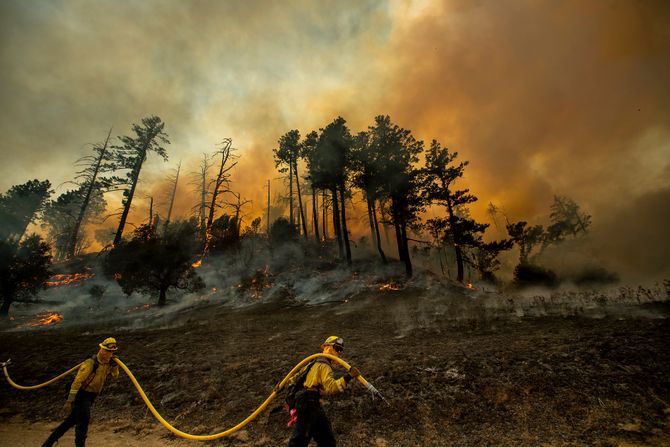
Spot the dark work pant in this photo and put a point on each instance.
(312, 423)
(78, 418)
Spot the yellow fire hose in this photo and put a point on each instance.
(222, 434)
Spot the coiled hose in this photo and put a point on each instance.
(280, 386)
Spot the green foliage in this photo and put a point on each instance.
(566, 220)
(289, 150)
(528, 275)
(224, 233)
(150, 263)
(60, 217)
(281, 231)
(526, 238)
(485, 258)
(21, 205)
(131, 155)
(24, 269)
(329, 157)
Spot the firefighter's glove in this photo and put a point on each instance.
(352, 374)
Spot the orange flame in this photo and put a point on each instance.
(196, 264)
(388, 286)
(470, 286)
(69, 279)
(45, 319)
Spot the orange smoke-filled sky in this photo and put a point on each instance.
(542, 97)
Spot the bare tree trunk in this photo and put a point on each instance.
(87, 198)
(456, 237)
(4, 307)
(379, 242)
(398, 232)
(204, 167)
(290, 194)
(174, 193)
(162, 297)
(267, 225)
(315, 215)
(336, 221)
(324, 204)
(151, 215)
(345, 232)
(373, 236)
(408, 259)
(129, 197)
(220, 180)
(302, 215)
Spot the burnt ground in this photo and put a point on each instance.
(598, 379)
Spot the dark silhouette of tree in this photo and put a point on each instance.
(526, 238)
(485, 258)
(222, 181)
(153, 264)
(201, 182)
(440, 174)
(365, 176)
(224, 233)
(63, 215)
(91, 185)
(307, 152)
(398, 153)
(286, 158)
(24, 269)
(174, 182)
(21, 205)
(329, 170)
(281, 231)
(567, 220)
(132, 154)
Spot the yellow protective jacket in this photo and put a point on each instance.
(320, 378)
(94, 383)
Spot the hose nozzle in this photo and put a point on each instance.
(375, 392)
(3, 364)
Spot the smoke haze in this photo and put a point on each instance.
(542, 97)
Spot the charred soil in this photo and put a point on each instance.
(504, 380)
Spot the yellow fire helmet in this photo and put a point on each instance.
(109, 344)
(336, 342)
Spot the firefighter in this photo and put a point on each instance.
(86, 386)
(312, 421)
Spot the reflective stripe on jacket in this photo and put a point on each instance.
(320, 377)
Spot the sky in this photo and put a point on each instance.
(541, 97)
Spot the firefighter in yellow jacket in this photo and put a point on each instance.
(86, 386)
(312, 421)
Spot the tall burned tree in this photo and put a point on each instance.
(286, 158)
(132, 154)
(172, 196)
(91, 184)
(329, 170)
(307, 150)
(222, 181)
(398, 152)
(365, 176)
(20, 206)
(200, 181)
(440, 174)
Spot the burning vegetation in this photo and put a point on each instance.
(71, 279)
(43, 319)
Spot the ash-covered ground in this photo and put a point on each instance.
(458, 366)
